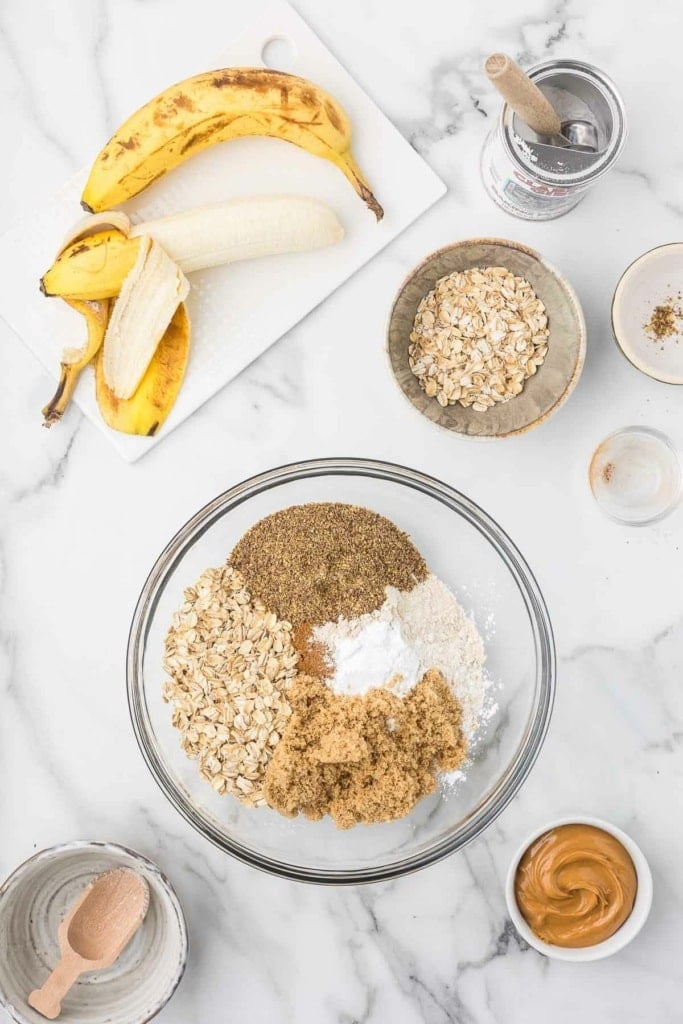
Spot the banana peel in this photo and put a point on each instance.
(145, 412)
(96, 313)
(92, 223)
(98, 261)
(148, 299)
(93, 267)
(214, 107)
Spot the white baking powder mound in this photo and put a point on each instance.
(369, 652)
(394, 646)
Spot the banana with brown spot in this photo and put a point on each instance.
(217, 106)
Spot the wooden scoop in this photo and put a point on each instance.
(93, 934)
(525, 98)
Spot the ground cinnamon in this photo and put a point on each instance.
(313, 656)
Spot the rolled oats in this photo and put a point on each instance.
(230, 663)
(478, 335)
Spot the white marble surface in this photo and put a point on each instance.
(80, 528)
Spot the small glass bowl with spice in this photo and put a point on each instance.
(635, 476)
(647, 313)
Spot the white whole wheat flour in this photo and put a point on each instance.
(412, 632)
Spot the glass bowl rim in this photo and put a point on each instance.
(537, 726)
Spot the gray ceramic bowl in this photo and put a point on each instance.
(543, 393)
(33, 902)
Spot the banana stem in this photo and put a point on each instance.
(353, 173)
(54, 410)
(96, 315)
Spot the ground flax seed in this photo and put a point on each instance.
(313, 563)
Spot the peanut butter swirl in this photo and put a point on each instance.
(575, 886)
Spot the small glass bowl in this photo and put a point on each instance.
(635, 476)
(474, 557)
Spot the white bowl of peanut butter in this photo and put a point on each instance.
(578, 889)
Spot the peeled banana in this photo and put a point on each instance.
(154, 397)
(96, 313)
(244, 229)
(94, 266)
(214, 107)
(149, 297)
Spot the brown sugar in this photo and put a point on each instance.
(363, 759)
(314, 563)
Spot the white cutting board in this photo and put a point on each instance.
(236, 311)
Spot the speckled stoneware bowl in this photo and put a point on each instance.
(647, 283)
(546, 390)
(33, 902)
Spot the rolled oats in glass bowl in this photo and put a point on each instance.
(466, 549)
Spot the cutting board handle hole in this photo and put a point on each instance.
(279, 52)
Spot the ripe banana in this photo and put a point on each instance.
(96, 315)
(152, 401)
(149, 298)
(94, 266)
(214, 107)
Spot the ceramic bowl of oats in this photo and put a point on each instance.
(486, 338)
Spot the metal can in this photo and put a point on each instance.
(508, 169)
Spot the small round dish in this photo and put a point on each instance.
(635, 476)
(483, 568)
(630, 927)
(33, 902)
(654, 280)
(543, 393)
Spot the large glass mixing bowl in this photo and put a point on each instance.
(463, 546)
